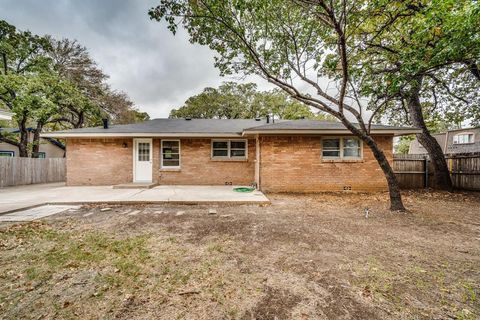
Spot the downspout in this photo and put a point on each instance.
(257, 161)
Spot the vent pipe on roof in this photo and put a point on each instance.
(105, 123)
(268, 118)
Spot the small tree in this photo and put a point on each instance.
(286, 43)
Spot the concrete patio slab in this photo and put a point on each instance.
(21, 197)
(35, 213)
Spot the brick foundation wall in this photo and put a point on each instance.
(198, 168)
(294, 164)
(99, 161)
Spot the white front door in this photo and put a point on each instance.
(142, 163)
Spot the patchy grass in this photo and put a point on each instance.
(302, 257)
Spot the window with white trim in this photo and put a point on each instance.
(7, 154)
(341, 148)
(170, 154)
(463, 138)
(229, 149)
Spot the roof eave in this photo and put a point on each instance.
(395, 132)
(65, 135)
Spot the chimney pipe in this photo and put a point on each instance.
(268, 118)
(105, 123)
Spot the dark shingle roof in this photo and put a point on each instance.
(230, 126)
(210, 127)
(315, 125)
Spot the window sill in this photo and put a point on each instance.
(228, 160)
(342, 160)
(170, 169)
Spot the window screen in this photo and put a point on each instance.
(170, 153)
(331, 148)
(220, 149)
(237, 149)
(229, 149)
(339, 148)
(351, 148)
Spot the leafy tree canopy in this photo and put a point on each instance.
(243, 101)
(51, 84)
(432, 48)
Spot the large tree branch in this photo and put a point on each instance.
(9, 140)
(447, 89)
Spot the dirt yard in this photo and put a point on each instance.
(303, 257)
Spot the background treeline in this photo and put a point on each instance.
(51, 84)
(233, 100)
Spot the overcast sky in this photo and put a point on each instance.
(157, 70)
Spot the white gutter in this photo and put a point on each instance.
(135, 135)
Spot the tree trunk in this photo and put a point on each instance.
(80, 121)
(396, 203)
(23, 143)
(36, 140)
(443, 180)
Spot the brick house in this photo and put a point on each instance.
(285, 156)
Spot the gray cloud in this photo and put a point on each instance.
(157, 70)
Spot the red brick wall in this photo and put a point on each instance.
(197, 167)
(294, 164)
(288, 163)
(99, 161)
(107, 162)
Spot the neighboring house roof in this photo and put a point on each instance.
(449, 145)
(216, 127)
(4, 115)
(52, 141)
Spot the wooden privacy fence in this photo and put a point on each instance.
(19, 171)
(416, 171)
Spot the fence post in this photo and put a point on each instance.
(425, 170)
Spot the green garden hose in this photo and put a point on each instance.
(243, 189)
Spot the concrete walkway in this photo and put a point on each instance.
(15, 198)
(35, 213)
